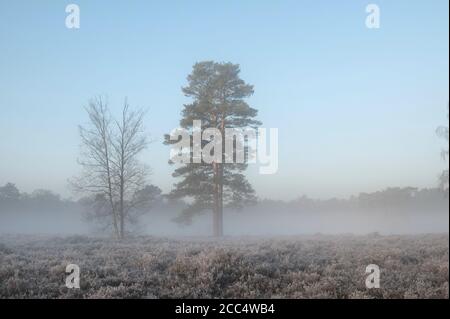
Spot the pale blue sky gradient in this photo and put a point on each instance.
(356, 108)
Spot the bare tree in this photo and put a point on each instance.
(131, 175)
(442, 131)
(111, 173)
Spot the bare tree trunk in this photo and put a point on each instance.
(123, 131)
(122, 211)
(122, 225)
(105, 137)
(110, 196)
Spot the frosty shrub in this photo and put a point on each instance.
(287, 267)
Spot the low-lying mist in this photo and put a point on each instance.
(393, 211)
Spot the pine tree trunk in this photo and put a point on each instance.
(220, 182)
(220, 195)
(217, 211)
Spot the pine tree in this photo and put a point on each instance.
(218, 95)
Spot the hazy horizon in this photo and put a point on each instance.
(356, 108)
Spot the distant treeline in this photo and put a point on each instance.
(45, 201)
(40, 200)
(407, 199)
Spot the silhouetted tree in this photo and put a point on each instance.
(9, 192)
(218, 95)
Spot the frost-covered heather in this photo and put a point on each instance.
(300, 267)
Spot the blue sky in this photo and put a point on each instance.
(356, 108)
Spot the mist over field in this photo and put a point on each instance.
(428, 214)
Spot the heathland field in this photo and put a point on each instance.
(285, 267)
